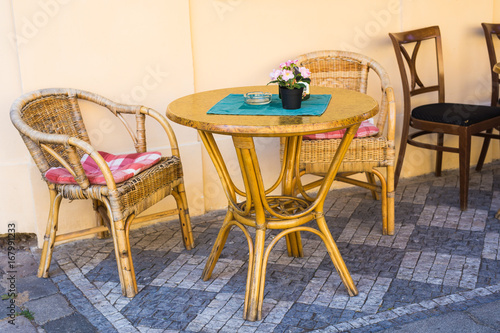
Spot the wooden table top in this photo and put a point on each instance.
(345, 108)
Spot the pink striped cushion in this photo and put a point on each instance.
(365, 129)
(122, 167)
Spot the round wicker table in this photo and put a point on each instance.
(261, 210)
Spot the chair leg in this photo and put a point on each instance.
(402, 152)
(124, 258)
(128, 223)
(484, 151)
(184, 219)
(123, 254)
(50, 233)
(464, 160)
(371, 180)
(390, 200)
(439, 155)
(97, 205)
(383, 195)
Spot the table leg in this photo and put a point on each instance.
(252, 310)
(333, 251)
(218, 246)
(294, 245)
(337, 259)
(293, 240)
(249, 165)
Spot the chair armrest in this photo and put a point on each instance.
(166, 127)
(39, 142)
(387, 111)
(98, 159)
(391, 117)
(139, 137)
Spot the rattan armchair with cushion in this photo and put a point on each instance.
(463, 120)
(121, 187)
(372, 150)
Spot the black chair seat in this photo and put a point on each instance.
(455, 114)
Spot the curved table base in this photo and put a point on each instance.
(263, 211)
(259, 255)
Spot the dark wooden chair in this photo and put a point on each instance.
(464, 120)
(490, 29)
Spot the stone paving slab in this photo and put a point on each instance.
(21, 325)
(463, 323)
(487, 314)
(75, 323)
(35, 287)
(49, 308)
(440, 271)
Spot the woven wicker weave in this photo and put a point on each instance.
(51, 124)
(364, 154)
(349, 70)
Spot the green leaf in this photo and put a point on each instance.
(27, 314)
(5, 297)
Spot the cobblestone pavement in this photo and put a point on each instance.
(440, 261)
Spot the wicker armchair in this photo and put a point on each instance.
(350, 70)
(51, 125)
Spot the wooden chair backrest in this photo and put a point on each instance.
(412, 83)
(491, 29)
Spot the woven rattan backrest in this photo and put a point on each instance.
(412, 83)
(336, 69)
(54, 114)
(348, 70)
(51, 125)
(491, 29)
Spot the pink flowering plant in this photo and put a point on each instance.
(291, 76)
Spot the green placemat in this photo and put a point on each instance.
(234, 104)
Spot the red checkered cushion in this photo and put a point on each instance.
(365, 129)
(122, 167)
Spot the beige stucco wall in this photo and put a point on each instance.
(16, 195)
(151, 52)
(247, 39)
(129, 51)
